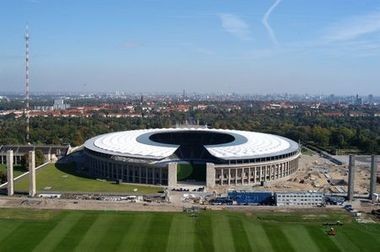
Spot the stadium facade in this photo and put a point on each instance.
(219, 157)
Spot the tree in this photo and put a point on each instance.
(39, 159)
(78, 138)
(3, 177)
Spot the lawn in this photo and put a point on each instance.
(63, 178)
(17, 170)
(191, 172)
(59, 230)
(307, 151)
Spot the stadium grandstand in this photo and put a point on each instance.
(215, 157)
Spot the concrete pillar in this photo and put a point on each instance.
(153, 175)
(260, 173)
(133, 168)
(272, 172)
(249, 175)
(110, 169)
(372, 185)
(222, 176)
(236, 175)
(229, 176)
(351, 178)
(278, 172)
(288, 166)
(127, 171)
(210, 175)
(242, 175)
(146, 175)
(172, 174)
(122, 171)
(32, 173)
(10, 172)
(160, 176)
(265, 173)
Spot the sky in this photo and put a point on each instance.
(204, 46)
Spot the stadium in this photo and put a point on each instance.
(212, 157)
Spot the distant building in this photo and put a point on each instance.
(370, 99)
(358, 100)
(299, 198)
(59, 104)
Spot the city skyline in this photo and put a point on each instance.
(202, 46)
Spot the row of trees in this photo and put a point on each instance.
(330, 133)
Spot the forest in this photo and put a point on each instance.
(334, 134)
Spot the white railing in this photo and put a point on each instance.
(23, 175)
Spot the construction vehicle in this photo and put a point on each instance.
(332, 232)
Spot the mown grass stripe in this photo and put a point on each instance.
(27, 235)
(119, 225)
(7, 227)
(95, 233)
(344, 243)
(299, 238)
(133, 239)
(204, 233)
(58, 232)
(278, 239)
(76, 232)
(182, 234)
(158, 231)
(223, 240)
(321, 239)
(239, 234)
(257, 237)
(359, 236)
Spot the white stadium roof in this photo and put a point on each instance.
(137, 144)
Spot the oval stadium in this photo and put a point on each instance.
(213, 157)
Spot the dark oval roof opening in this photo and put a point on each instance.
(192, 138)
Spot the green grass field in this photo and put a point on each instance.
(17, 170)
(191, 172)
(48, 230)
(62, 178)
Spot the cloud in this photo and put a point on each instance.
(267, 25)
(354, 27)
(235, 26)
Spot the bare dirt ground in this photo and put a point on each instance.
(40, 203)
(317, 174)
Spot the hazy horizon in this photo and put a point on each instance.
(209, 46)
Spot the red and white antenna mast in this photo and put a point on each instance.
(27, 98)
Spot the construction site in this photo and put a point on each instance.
(318, 174)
